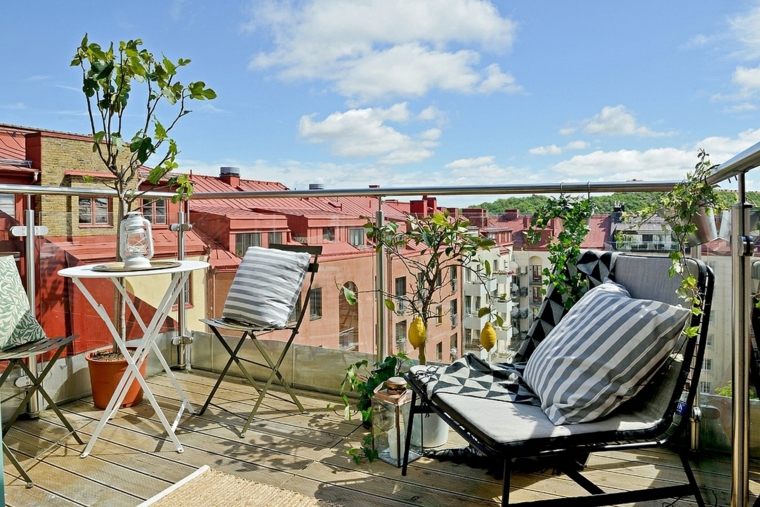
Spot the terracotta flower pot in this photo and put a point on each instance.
(105, 376)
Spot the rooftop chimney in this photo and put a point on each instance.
(511, 214)
(230, 175)
(316, 186)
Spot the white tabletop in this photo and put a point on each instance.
(86, 271)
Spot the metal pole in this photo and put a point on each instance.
(183, 351)
(380, 286)
(31, 290)
(741, 250)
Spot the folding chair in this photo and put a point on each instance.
(262, 298)
(21, 337)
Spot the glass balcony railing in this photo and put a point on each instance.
(336, 333)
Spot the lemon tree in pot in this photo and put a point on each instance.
(112, 79)
(427, 248)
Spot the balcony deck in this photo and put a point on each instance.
(305, 453)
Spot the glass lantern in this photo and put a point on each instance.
(136, 241)
(390, 416)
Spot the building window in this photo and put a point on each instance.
(453, 345)
(328, 234)
(401, 335)
(467, 306)
(439, 351)
(705, 387)
(8, 205)
(400, 293)
(476, 310)
(707, 364)
(356, 237)
(536, 271)
(537, 295)
(246, 240)
(315, 304)
(468, 275)
(439, 315)
(274, 238)
(94, 211)
(293, 317)
(453, 278)
(453, 312)
(154, 211)
(710, 339)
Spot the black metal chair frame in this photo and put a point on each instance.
(16, 357)
(566, 452)
(251, 332)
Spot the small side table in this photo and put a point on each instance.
(180, 272)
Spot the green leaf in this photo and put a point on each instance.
(389, 305)
(484, 311)
(349, 295)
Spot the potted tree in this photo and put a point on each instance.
(427, 248)
(112, 79)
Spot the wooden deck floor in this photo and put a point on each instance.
(132, 461)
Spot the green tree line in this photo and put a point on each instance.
(602, 204)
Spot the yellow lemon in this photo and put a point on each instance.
(488, 336)
(417, 333)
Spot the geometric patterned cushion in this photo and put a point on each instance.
(602, 353)
(17, 325)
(266, 287)
(594, 266)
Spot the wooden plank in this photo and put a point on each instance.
(17, 495)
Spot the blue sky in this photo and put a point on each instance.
(405, 93)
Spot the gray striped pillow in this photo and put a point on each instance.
(266, 287)
(602, 353)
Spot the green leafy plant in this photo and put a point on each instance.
(565, 248)
(361, 379)
(427, 248)
(681, 207)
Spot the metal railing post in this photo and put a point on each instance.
(184, 339)
(380, 286)
(741, 252)
(31, 291)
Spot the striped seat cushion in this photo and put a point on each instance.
(602, 353)
(266, 287)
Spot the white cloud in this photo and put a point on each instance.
(617, 121)
(653, 164)
(380, 48)
(566, 131)
(552, 149)
(15, 105)
(740, 108)
(36, 78)
(471, 163)
(577, 145)
(746, 30)
(748, 80)
(359, 133)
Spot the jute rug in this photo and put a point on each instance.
(209, 488)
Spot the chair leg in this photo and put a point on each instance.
(37, 386)
(408, 440)
(17, 465)
(507, 479)
(233, 358)
(275, 367)
(692, 480)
